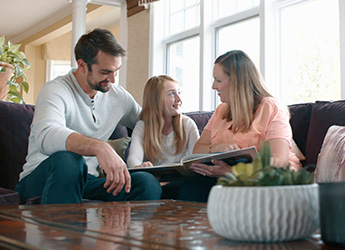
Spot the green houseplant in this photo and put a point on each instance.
(259, 202)
(13, 60)
(261, 173)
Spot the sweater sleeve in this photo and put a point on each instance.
(136, 150)
(192, 134)
(49, 125)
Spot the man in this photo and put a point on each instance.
(75, 115)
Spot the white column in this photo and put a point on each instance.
(78, 25)
(269, 47)
(124, 43)
(207, 56)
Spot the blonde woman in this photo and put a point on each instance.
(162, 134)
(247, 116)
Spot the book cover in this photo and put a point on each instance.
(176, 171)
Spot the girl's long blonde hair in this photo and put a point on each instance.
(247, 88)
(152, 116)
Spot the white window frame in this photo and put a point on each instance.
(50, 65)
(268, 12)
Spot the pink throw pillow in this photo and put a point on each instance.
(330, 165)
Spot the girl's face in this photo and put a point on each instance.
(221, 83)
(172, 100)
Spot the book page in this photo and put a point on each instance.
(230, 157)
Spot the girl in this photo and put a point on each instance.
(162, 134)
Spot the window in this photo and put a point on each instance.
(184, 67)
(183, 15)
(57, 68)
(310, 52)
(244, 35)
(296, 44)
(224, 8)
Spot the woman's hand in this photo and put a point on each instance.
(144, 165)
(218, 169)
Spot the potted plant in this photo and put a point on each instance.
(13, 63)
(263, 203)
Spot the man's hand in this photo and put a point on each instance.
(112, 164)
(115, 169)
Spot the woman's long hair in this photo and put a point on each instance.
(247, 88)
(152, 116)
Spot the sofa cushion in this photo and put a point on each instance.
(8, 197)
(119, 132)
(14, 132)
(120, 146)
(300, 121)
(331, 160)
(201, 118)
(324, 115)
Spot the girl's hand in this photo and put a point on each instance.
(218, 169)
(144, 165)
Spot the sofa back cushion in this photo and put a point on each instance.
(14, 133)
(300, 121)
(201, 118)
(324, 115)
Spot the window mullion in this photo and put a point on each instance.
(342, 46)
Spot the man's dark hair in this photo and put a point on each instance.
(99, 39)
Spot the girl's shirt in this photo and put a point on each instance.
(136, 152)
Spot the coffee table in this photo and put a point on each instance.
(165, 224)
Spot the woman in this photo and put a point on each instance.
(247, 116)
(162, 134)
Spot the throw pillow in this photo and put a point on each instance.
(120, 145)
(330, 165)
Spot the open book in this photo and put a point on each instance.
(172, 171)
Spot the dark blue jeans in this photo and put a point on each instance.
(63, 178)
(196, 188)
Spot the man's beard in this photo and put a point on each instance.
(98, 86)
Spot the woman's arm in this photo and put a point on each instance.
(280, 152)
(204, 145)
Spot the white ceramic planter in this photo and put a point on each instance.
(264, 214)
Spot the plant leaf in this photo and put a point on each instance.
(25, 86)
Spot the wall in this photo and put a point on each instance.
(138, 53)
(36, 74)
(59, 48)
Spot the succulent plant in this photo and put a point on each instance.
(9, 53)
(260, 172)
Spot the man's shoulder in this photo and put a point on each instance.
(117, 89)
(60, 82)
(59, 87)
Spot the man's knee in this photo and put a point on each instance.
(68, 163)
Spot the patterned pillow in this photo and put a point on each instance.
(330, 165)
(120, 145)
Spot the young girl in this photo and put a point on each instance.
(162, 134)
